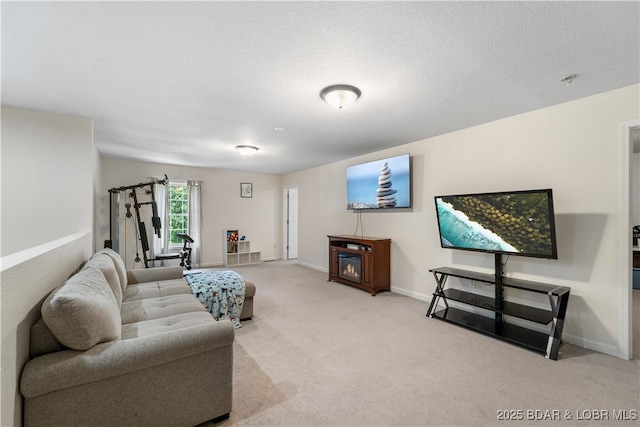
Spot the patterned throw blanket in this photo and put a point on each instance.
(221, 293)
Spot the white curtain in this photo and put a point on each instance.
(195, 220)
(160, 244)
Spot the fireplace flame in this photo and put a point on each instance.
(350, 272)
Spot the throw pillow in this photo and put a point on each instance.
(83, 311)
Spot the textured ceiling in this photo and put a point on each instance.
(184, 82)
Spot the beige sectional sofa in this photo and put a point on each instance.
(117, 347)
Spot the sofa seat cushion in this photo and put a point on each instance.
(165, 324)
(83, 311)
(155, 308)
(162, 288)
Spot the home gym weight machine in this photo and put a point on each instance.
(141, 231)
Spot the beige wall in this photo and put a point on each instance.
(258, 217)
(573, 148)
(47, 220)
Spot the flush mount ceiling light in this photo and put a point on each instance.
(246, 150)
(340, 96)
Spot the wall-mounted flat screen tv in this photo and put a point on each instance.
(512, 223)
(381, 184)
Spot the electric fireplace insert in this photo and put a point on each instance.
(350, 266)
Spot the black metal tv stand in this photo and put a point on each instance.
(497, 326)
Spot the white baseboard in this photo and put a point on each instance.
(209, 265)
(315, 267)
(591, 345)
(411, 294)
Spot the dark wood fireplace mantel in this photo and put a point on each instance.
(374, 253)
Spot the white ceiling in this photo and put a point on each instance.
(184, 82)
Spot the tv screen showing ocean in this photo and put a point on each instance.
(456, 230)
(518, 222)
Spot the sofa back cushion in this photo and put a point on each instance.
(119, 264)
(104, 263)
(83, 311)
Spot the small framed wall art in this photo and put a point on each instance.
(246, 189)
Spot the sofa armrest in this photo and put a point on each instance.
(154, 274)
(70, 368)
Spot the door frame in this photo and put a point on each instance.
(625, 338)
(285, 216)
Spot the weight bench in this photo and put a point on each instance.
(184, 255)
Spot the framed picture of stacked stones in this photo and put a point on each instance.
(246, 189)
(381, 184)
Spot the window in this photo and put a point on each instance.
(178, 212)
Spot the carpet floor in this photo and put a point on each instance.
(319, 353)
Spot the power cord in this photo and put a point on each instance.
(359, 224)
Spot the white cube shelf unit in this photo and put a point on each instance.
(237, 252)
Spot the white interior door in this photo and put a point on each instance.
(292, 223)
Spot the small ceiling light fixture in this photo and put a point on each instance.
(340, 96)
(246, 150)
(569, 79)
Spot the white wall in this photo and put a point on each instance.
(35, 145)
(572, 148)
(258, 217)
(47, 220)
